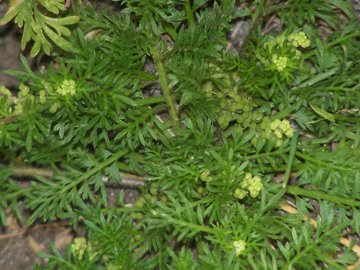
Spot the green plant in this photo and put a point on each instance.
(35, 17)
(216, 140)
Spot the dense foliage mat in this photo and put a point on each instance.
(218, 137)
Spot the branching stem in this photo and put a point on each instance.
(150, 100)
(165, 86)
(322, 163)
(319, 195)
(26, 171)
(335, 42)
(128, 179)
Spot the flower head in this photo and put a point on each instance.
(299, 40)
(67, 88)
(279, 62)
(240, 247)
(5, 91)
(252, 184)
(42, 96)
(79, 246)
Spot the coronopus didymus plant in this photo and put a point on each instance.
(245, 148)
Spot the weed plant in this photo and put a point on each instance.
(217, 139)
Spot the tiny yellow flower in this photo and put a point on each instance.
(289, 133)
(251, 184)
(255, 186)
(24, 91)
(299, 40)
(240, 193)
(278, 134)
(67, 88)
(54, 107)
(42, 96)
(5, 91)
(240, 247)
(78, 247)
(274, 124)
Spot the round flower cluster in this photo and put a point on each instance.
(281, 54)
(279, 62)
(282, 127)
(250, 184)
(6, 99)
(42, 96)
(80, 246)
(240, 247)
(279, 129)
(21, 98)
(4, 91)
(54, 107)
(299, 40)
(68, 87)
(205, 175)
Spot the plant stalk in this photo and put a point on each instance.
(26, 171)
(294, 141)
(165, 86)
(189, 13)
(128, 179)
(319, 195)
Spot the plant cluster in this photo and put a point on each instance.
(217, 140)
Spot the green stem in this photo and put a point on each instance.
(315, 89)
(301, 253)
(150, 100)
(335, 42)
(294, 141)
(322, 163)
(94, 170)
(189, 13)
(260, 155)
(25, 171)
(200, 228)
(19, 193)
(319, 195)
(165, 86)
(346, 37)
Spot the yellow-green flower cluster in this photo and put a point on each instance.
(24, 91)
(279, 62)
(5, 91)
(299, 40)
(250, 185)
(282, 127)
(281, 54)
(42, 96)
(67, 88)
(54, 107)
(22, 96)
(205, 176)
(7, 98)
(80, 246)
(239, 246)
(276, 129)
